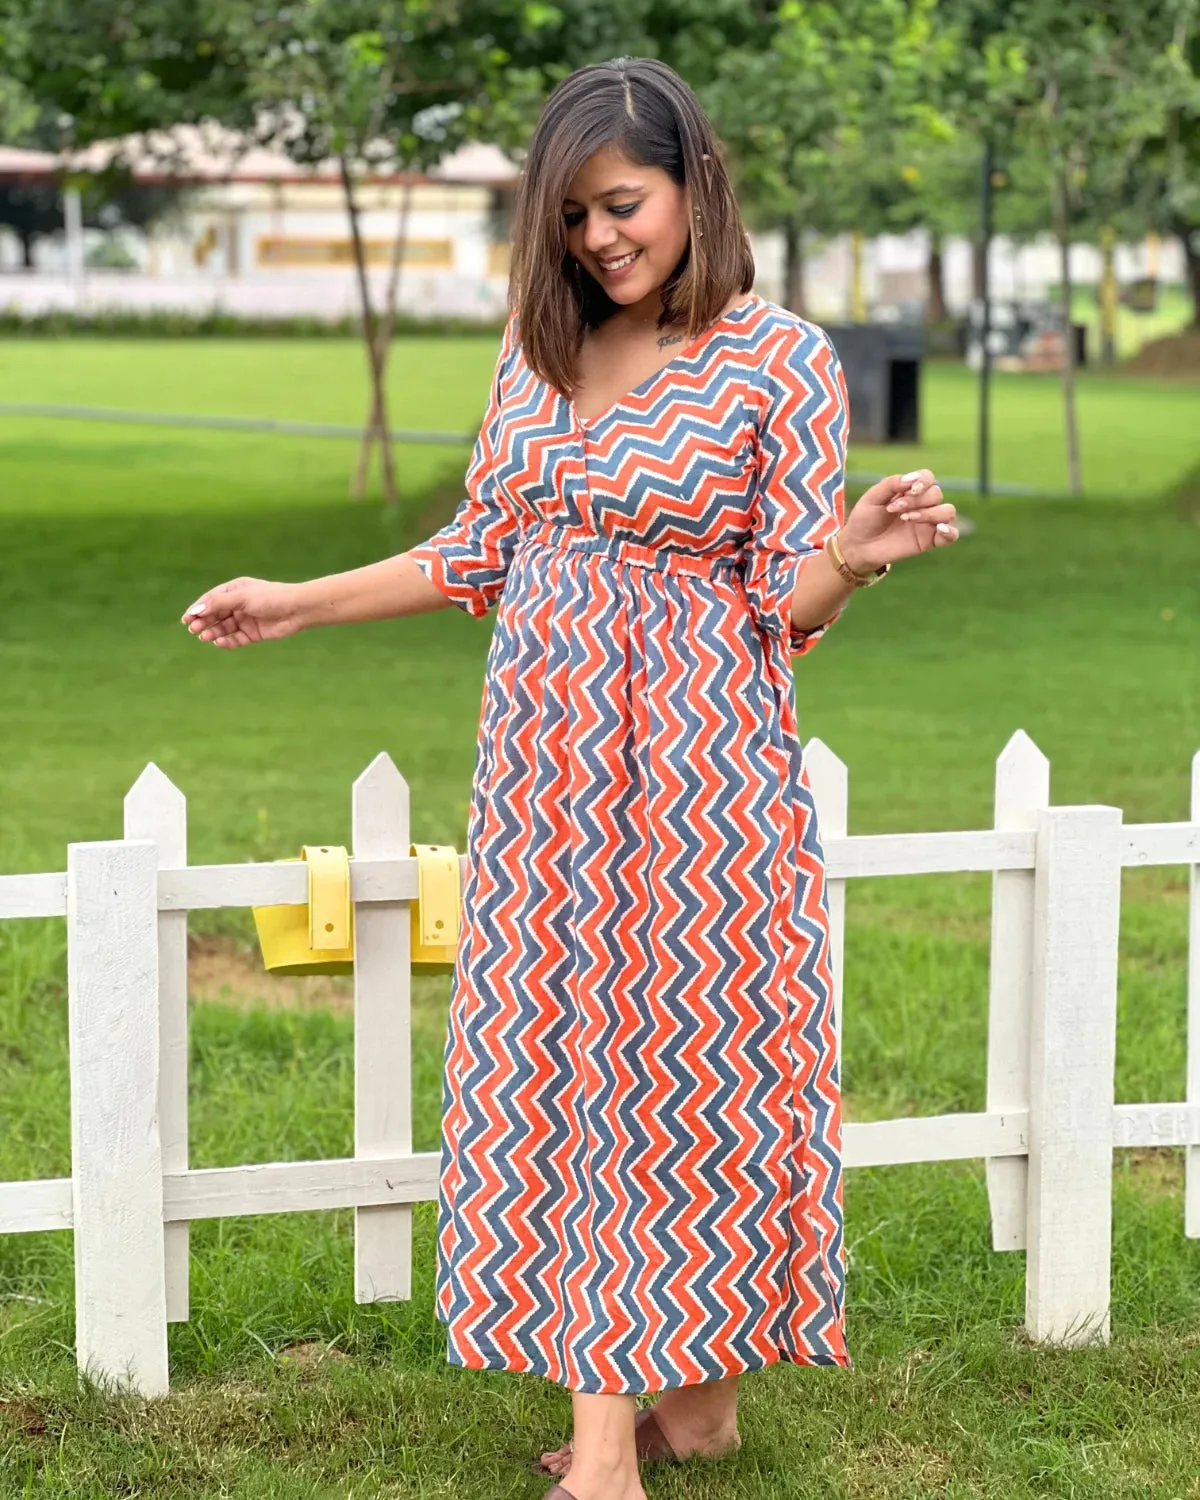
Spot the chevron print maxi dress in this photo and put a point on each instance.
(640, 1179)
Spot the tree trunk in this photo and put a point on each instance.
(376, 425)
(1062, 232)
(793, 267)
(858, 293)
(26, 249)
(370, 336)
(935, 304)
(1108, 297)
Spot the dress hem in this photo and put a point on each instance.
(541, 1368)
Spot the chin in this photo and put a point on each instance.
(627, 293)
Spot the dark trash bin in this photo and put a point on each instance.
(882, 366)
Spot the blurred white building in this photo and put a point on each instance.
(257, 235)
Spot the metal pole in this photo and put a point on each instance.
(985, 332)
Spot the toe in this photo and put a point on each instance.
(557, 1460)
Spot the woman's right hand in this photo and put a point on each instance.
(244, 611)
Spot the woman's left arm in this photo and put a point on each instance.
(794, 587)
(900, 516)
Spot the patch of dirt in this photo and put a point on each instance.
(1160, 1169)
(222, 970)
(1177, 356)
(893, 1467)
(311, 1355)
(25, 1417)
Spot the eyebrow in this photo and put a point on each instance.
(610, 192)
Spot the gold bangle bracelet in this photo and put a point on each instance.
(859, 580)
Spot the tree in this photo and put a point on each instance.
(372, 85)
(811, 99)
(1095, 79)
(1162, 186)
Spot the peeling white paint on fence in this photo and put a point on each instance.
(1047, 1134)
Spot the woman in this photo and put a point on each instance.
(640, 1174)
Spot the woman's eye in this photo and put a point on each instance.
(622, 211)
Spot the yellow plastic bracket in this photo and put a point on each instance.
(328, 896)
(317, 937)
(435, 913)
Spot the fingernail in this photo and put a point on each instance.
(913, 475)
(897, 504)
(943, 527)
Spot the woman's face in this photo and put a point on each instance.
(626, 225)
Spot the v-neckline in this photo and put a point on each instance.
(583, 424)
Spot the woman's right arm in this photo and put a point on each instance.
(465, 564)
(383, 590)
(247, 610)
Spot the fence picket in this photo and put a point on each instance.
(156, 809)
(382, 1035)
(116, 1159)
(1072, 1053)
(1022, 788)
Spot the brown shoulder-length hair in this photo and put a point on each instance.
(645, 110)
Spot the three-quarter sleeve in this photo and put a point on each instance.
(468, 559)
(803, 419)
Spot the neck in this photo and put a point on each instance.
(645, 312)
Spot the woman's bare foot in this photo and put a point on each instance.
(700, 1419)
(605, 1466)
(695, 1419)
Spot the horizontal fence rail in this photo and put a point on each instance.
(208, 887)
(1047, 1134)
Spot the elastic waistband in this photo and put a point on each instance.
(662, 559)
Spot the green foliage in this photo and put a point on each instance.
(809, 110)
(1099, 81)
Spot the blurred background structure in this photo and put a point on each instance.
(244, 229)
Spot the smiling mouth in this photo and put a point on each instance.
(620, 263)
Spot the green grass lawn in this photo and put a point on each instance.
(1137, 436)
(1075, 620)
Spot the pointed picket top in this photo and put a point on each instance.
(154, 782)
(1021, 748)
(1022, 782)
(829, 779)
(156, 809)
(379, 810)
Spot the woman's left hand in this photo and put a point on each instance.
(897, 518)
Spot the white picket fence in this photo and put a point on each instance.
(1047, 1134)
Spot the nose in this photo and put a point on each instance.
(598, 236)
